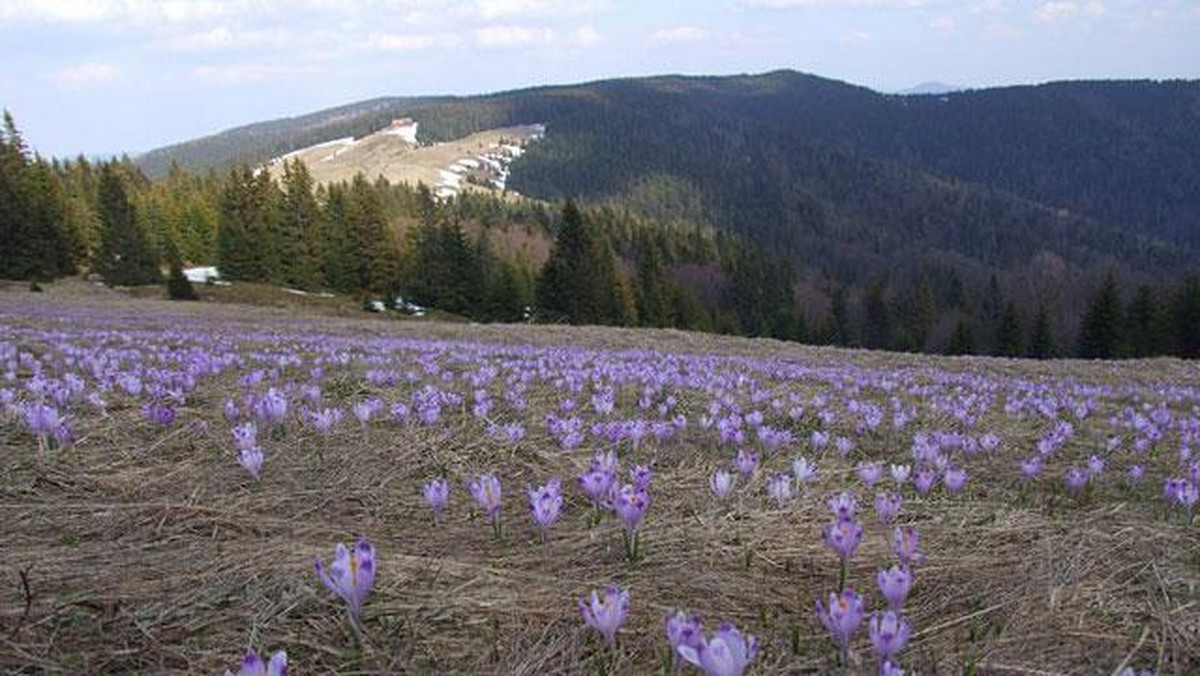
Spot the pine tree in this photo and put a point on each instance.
(1100, 334)
(126, 257)
(1185, 316)
(877, 326)
(300, 246)
(34, 242)
(243, 232)
(653, 290)
(1008, 332)
(962, 341)
(1144, 324)
(179, 287)
(579, 282)
(1041, 338)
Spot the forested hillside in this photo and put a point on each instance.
(782, 204)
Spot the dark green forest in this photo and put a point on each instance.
(649, 257)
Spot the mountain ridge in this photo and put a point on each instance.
(835, 175)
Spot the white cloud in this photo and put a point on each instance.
(512, 36)
(1059, 11)
(397, 42)
(246, 73)
(585, 36)
(799, 4)
(85, 75)
(503, 9)
(943, 23)
(132, 11)
(222, 37)
(680, 35)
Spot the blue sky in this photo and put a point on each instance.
(105, 76)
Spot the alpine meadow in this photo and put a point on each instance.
(743, 371)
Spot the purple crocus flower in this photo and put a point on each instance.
(843, 505)
(252, 665)
(954, 478)
(545, 503)
(746, 462)
(1031, 467)
(437, 494)
(486, 491)
(842, 617)
(630, 506)
(843, 537)
(245, 436)
(887, 506)
(721, 484)
(683, 630)
(804, 470)
(251, 458)
(924, 480)
(889, 633)
(325, 419)
(779, 487)
(890, 668)
(597, 484)
(906, 543)
(606, 613)
(844, 446)
(1136, 472)
(271, 408)
(1095, 465)
(351, 575)
(869, 472)
(894, 583)
(42, 419)
(159, 414)
(726, 653)
(1075, 478)
(641, 476)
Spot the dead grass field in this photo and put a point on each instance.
(150, 551)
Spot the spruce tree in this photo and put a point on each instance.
(1008, 332)
(300, 245)
(877, 326)
(962, 341)
(1185, 316)
(579, 283)
(1041, 338)
(125, 257)
(1144, 324)
(34, 241)
(1100, 334)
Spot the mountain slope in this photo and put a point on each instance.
(839, 177)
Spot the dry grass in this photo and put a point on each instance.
(150, 552)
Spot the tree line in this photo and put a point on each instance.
(606, 264)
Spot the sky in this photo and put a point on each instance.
(102, 77)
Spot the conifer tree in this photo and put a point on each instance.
(300, 245)
(1100, 334)
(34, 242)
(877, 327)
(1008, 332)
(244, 246)
(1145, 324)
(125, 257)
(579, 283)
(962, 341)
(1185, 316)
(1041, 338)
